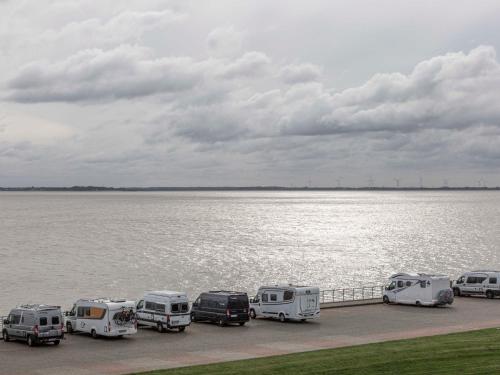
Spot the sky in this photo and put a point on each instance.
(244, 93)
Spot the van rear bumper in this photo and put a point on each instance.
(45, 339)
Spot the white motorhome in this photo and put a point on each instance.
(164, 310)
(483, 283)
(418, 289)
(102, 317)
(286, 302)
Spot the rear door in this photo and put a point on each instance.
(238, 306)
(309, 303)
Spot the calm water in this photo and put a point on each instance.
(57, 247)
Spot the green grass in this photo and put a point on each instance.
(475, 352)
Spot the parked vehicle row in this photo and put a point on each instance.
(164, 310)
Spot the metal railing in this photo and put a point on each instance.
(352, 294)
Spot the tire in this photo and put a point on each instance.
(31, 341)
(221, 322)
(5, 336)
(69, 328)
(282, 318)
(182, 329)
(93, 333)
(241, 324)
(253, 315)
(456, 292)
(489, 294)
(159, 327)
(418, 303)
(57, 342)
(303, 320)
(385, 299)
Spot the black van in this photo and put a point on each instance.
(222, 307)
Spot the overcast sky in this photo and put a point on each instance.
(257, 92)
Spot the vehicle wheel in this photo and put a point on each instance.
(57, 342)
(160, 328)
(182, 329)
(418, 303)
(31, 340)
(241, 323)
(456, 292)
(69, 328)
(385, 299)
(489, 294)
(253, 315)
(94, 334)
(303, 320)
(5, 336)
(221, 323)
(282, 318)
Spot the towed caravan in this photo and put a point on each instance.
(286, 302)
(164, 310)
(480, 283)
(418, 289)
(102, 317)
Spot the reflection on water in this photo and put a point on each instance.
(57, 247)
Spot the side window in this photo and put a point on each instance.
(204, 302)
(55, 320)
(471, 280)
(43, 320)
(175, 307)
(391, 286)
(400, 284)
(423, 284)
(461, 280)
(264, 297)
(408, 283)
(160, 307)
(140, 305)
(480, 279)
(493, 280)
(274, 297)
(185, 307)
(80, 311)
(15, 319)
(287, 295)
(150, 305)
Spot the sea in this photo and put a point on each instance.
(57, 247)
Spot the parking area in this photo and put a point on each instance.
(205, 343)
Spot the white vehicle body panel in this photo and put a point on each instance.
(167, 307)
(478, 283)
(419, 289)
(294, 302)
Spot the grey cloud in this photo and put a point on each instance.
(249, 65)
(297, 73)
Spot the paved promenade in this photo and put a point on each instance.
(205, 343)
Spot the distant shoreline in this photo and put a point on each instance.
(245, 188)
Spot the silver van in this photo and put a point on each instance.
(35, 324)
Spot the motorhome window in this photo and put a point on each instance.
(471, 280)
(264, 297)
(493, 280)
(287, 295)
(175, 307)
(238, 302)
(80, 312)
(400, 284)
(15, 319)
(274, 297)
(43, 321)
(55, 320)
(391, 286)
(140, 305)
(160, 307)
(184, 307)
(150, 305)
(423, 284)
(479, 280)
(408, 283)
(93, 312)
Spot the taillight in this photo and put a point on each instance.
(36, 330)
(109, 326)
(228, 313)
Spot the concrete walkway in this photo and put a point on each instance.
(207, 343)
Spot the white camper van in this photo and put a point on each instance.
(286, 302)
(164, 310)
(102, 317)
(482, 283)
(418, 289)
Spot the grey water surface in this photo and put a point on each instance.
(56, 247)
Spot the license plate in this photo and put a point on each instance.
(234, 316)
(175, 322)
(122, 331)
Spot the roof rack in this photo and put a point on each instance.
(38, 307)
(486, 271)
(225, 292)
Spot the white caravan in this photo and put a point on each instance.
(418, 289)
(164, 310)
(102, 317)
(286, 302)
(483, 283)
